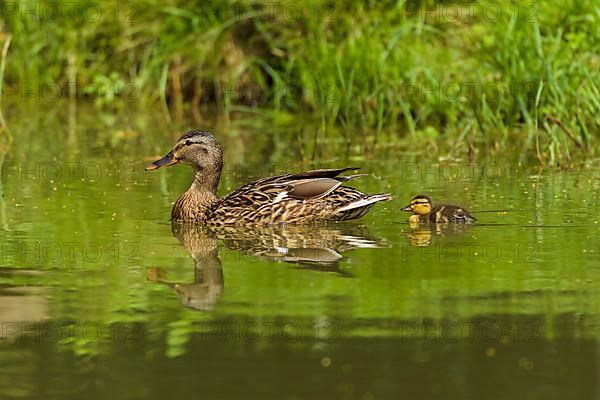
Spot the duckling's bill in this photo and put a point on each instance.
(168, 159)
(407, 208)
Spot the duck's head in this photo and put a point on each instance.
(199, 149)
(420, 204)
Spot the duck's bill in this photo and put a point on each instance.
(167, 160)
(407, 208)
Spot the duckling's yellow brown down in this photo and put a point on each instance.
(424, 211)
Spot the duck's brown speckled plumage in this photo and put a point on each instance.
(292, 198)
(261, 202)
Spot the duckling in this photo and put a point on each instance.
(304, 197)
(424, 211)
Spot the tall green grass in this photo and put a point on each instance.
(474, 75)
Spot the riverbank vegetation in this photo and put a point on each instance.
(477, 76)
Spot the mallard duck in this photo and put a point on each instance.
(424, 211)
(292, 198)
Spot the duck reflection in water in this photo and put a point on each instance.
(315, 247)
(311, 247)
(204, 293)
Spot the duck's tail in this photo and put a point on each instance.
(358, 208)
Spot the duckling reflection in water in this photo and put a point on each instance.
(421, 235)
(204, 293)
(425, 212)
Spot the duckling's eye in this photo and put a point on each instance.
(188, 142)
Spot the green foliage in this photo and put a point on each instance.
(481, 74)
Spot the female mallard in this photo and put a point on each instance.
(293, 198)
(424, 211)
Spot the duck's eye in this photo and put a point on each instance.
(188, 142)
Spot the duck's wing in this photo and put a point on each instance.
(314, 184)
(283, 197)
(320, 173)
(302, 186)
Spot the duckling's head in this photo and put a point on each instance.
(197, 148)
(420, 204)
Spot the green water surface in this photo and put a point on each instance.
(101, 297)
